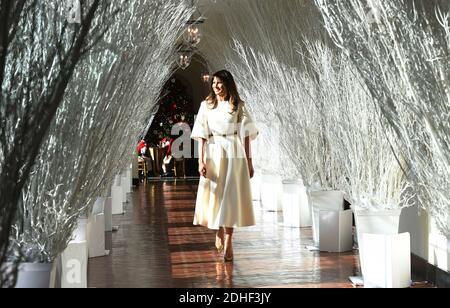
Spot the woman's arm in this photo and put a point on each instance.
(249, 156)
(201, 157)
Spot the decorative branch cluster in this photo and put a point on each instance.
(365, 150)
(402, 51)
(38, 53)
(125, 58)
(266, 67)
(329, 129)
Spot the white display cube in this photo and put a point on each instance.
(384, 222)
(126, 179)
(332, 226)
(32, 275)
(75, 259)
(96, 230)
(387, 260)
(324, 200)
(296, 210)
(376, 221)
(108, 214)
(335, 230)
(124, 187)
(272, 193)
(117, 196)
(130, 177)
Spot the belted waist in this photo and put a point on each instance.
(222, 135)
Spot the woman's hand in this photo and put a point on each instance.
(202, 169)
(251, 171)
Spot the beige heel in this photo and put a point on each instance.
(219, 241)
(229, 248)
(228, 259)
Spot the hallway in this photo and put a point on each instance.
(157, 246)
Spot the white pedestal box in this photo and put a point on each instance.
(296, 210)
(130, 178)
(75, 259)
(256, 187)
(33, 275)
(334, 230)
(126, 179)
(271, 193)
(108, 214)
(384, 222)
(376, 222)
(381, 222)
(332, 226)
(124, 187)
(96, 230)
(387, 260)
(117, 196)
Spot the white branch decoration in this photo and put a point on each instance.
(108, 103)
(370, 173)
(329, 127)
(267, 70)
(403, 55)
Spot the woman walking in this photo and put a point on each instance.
(224, 129)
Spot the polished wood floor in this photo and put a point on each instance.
(157, 246)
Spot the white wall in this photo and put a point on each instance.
(439, 248)
(426, 241)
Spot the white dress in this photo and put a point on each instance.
(224, 197)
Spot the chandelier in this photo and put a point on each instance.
(191, 38)
(185, 54)
(206, 77)
(192, 35)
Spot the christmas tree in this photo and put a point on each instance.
(174, 107)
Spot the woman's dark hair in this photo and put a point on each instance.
(230, 86)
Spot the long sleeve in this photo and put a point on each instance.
(201, 129)
(247, 126)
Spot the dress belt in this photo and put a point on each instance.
(223, 135)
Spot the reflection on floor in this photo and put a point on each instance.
(157, 246)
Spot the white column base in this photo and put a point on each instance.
(334, 230)
(96, 230)
(272, 193)
(296, 211)
(387, 260)
(117, 197)
(332, 226)
(75, 259)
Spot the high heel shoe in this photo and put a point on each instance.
(219, 245)
(227, 256)
(228, 259)
(219, 242)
